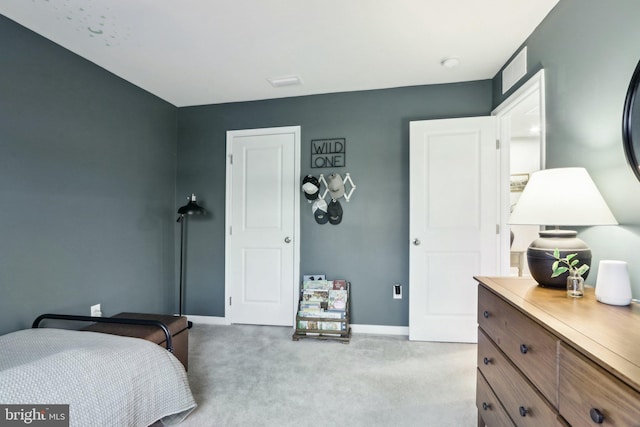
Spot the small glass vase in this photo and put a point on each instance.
(575, 286)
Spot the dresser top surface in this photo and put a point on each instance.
(607, 334)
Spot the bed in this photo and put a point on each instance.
(106, 380)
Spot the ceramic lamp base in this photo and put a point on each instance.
(540, 255)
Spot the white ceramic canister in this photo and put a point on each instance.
(612, 284)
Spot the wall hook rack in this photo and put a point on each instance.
(347, 180)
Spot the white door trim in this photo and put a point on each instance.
(502, 113)
(296, 130)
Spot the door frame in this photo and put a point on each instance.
(503, 115)
(296, 130)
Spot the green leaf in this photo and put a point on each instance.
(570, 256)
(574, 262)
(583, 269)
(555, 265)
(556, 253)
(560, 270)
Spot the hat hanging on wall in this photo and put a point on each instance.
(319, 209)
(335, 184)
(311, 187)
(334, 210)
(343, 187)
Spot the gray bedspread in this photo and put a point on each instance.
(107, 380)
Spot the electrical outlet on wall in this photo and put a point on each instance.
(96, 311)
(397, 291)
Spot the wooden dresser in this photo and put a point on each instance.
(548, 360)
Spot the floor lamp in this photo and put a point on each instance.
(191, 208)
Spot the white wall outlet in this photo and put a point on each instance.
(96, 311)
(397, 291)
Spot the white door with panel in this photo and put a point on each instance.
(454, 216)
(262, 250)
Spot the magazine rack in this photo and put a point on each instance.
(343, 332)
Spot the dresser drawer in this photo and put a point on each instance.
(489, 407)
(521, 401)
(588, 391)
(526, 343)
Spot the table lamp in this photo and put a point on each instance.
(559, 197)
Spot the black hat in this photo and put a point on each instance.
(335, 212)
(310, 187)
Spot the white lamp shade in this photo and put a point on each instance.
(562, 196)
(613, 285)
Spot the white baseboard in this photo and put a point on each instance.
(380, 330)
(208, 320)
(356, 329)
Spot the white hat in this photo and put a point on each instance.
(319, 209)
(335, 186)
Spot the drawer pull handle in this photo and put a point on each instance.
(596, 416)
(486, 406)
(524, 349)
(523, 411)
(486, 314)
(486, 360)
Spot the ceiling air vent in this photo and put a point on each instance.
(285, 81)
(516, 70)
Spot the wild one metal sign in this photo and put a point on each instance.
(328, 153)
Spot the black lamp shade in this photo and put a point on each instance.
(191, 208)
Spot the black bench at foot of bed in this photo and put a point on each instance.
(177, 325)
(166, 330)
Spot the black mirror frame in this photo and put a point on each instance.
(627, 125)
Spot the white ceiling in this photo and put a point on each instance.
(195, 52)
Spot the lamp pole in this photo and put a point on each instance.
(191, 208)
(181, 221)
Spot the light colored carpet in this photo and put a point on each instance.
(258, 376)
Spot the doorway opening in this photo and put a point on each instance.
(521, 131)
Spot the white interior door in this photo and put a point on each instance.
(454, 216)
(262, 249)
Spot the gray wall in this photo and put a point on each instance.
(371, 245)
(88, 163)
(87, 170)
(589, 50)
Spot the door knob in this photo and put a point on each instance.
(416, 242)
(287, 239)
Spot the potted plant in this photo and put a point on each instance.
(575, 281)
